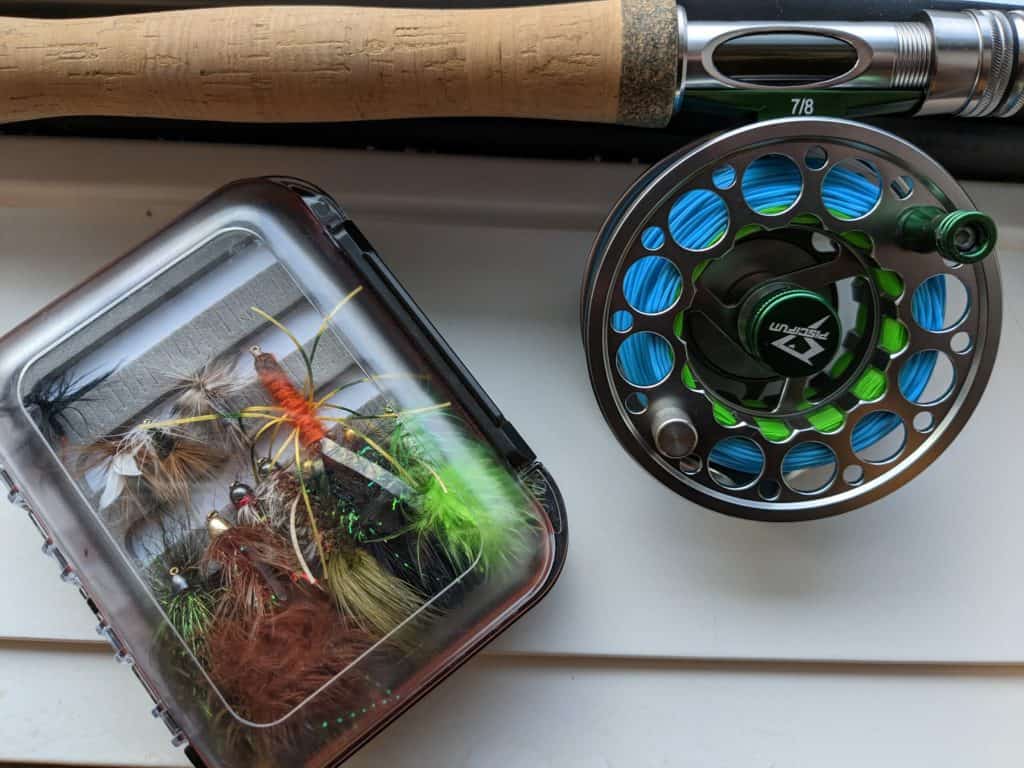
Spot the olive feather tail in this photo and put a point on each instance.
(376, 600)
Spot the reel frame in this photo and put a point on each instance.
(647, 203)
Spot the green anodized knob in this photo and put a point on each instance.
(965, 237)
(792, 330)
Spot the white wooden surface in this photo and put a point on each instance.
(654, 647)
(514, 712)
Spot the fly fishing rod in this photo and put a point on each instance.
(634, 62)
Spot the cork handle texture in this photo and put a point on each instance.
(597, 60)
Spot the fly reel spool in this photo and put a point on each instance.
(791, 319)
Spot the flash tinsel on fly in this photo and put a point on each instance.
(182, 585)
(191, 613)
(373, 597)
(365, 515)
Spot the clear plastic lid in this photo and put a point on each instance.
(283, 492)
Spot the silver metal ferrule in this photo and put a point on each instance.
(996, 63)
(681, 56)
(805, 55)
(972, 65)
(968, 63)
(1014, 99)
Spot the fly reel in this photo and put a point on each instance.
(791, 319)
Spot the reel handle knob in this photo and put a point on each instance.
(965, 237)
(673, 432)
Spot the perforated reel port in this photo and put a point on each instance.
(791, 319)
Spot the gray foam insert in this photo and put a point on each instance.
(139, 386)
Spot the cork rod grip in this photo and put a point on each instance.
(597, 60)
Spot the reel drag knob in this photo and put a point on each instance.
(793, 331)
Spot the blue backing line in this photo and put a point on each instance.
(696, 221)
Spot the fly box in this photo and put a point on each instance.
(291, 507)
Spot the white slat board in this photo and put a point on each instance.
(522, 712)
(494, 251)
